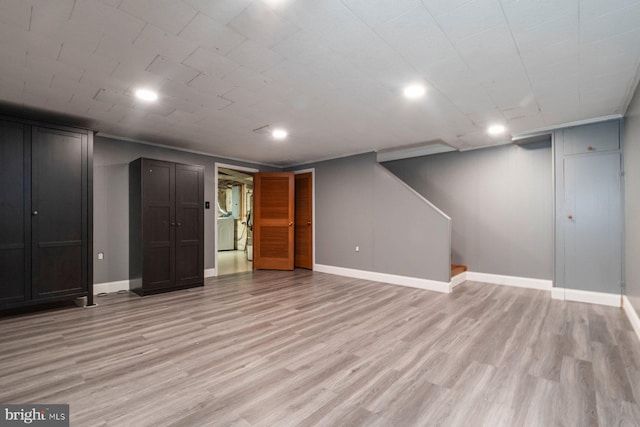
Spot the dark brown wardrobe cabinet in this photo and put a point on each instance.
(166, 226)
(45, 213)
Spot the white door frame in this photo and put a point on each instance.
(215, 204)
(313, 212)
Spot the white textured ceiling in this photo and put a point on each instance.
(329, 71)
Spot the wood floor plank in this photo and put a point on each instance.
(269, 348)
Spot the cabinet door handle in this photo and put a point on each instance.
(173, 224)
(590, 148)
(179, 224)
(570, 216)
(34, 213)
(290, 224)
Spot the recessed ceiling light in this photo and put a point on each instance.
(414, 91)
(146, 95)
(496, 129)
(279, 134)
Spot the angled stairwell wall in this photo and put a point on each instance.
(400, 237)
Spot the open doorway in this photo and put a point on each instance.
(234, 204)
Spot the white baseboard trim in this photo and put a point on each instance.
(209, 272)
(557, 293)
(576, 295)
(519, 282)
(634, 319)
(459, 279)
(109, 287)
(413, 282)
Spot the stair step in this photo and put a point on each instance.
(457, 269)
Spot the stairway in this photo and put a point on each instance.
(457, 269)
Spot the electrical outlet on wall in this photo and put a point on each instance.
(101, 255)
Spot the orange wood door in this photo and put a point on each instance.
(304, 221)
(273, 231)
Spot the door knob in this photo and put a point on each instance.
(570, 216)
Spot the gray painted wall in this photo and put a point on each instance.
(631, 141)
(359, 203)
(111, 201)
(500, 201)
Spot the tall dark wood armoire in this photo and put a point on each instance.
(166, 226)
(46, 180)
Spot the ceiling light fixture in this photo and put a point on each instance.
(146, 95)
(279, 134)
(496, 129)
(414, 91)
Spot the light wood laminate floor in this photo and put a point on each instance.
(230, 262)
(303, 348)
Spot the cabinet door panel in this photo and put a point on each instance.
(14, 213)
(59, 198)
(190, 224)
(158, 234)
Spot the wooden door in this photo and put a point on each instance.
(273, 231)
(593, 222)
(189, 196)
(59, 213)
(15, 214)
(158, 230)
(304, 220)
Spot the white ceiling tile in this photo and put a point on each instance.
(591, 9)
(247, 79)
(611, 24)
(15, 12)
(261, 24)
(417, 38)
(379, 12)
(222, 11)
(488, 48)
(112, 97)
(561, 29)
(153, 39)
(298, 43)
(211, 84)
(211, 35)
(525, 15)
(170, 15)
(55, 9)
(546, 55)
(439, 7)
(101, 18)
(172, 70)
(254, 56)
(210, 63)
(471, 18)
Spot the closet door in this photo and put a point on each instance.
(59, 212)
(158, 233)
(593, 222)
(189, 183)
(15, 214)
